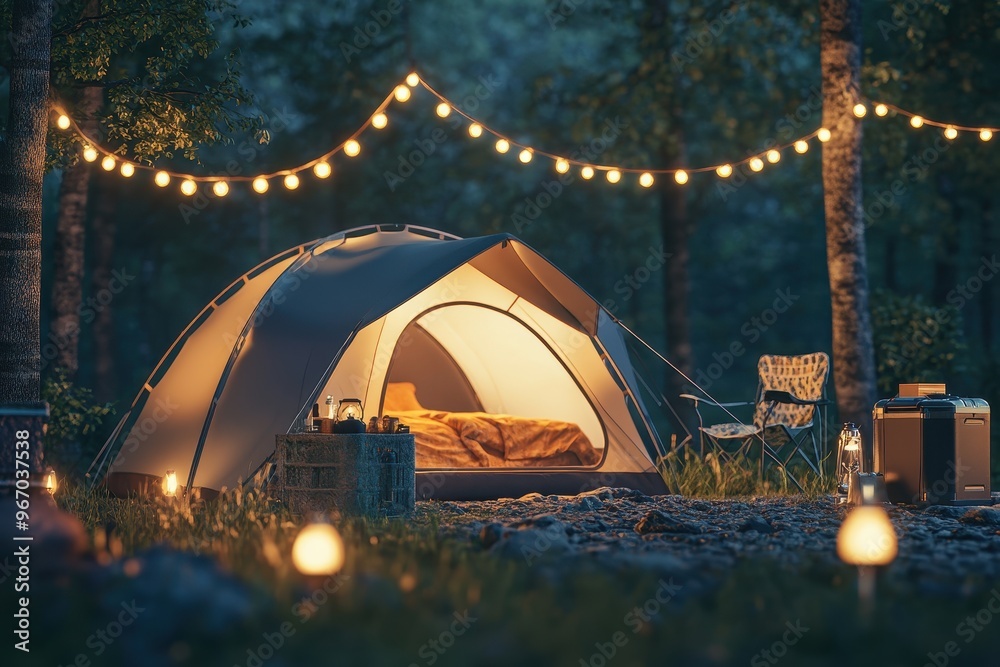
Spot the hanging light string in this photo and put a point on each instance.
(950, 130)
(351, 147)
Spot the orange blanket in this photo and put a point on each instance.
(480, 440)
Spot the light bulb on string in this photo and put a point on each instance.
(681, 177)
(881, 109)
(985, 135)
(162, 179)
(63, 122)
(322, 169)
(220, 188)
(502, 145)
(562, 165)
(916, 122)
(127, 170)
(823, 134)
(860, 110)
(475, 130)
(352, 148)
(524, 156)
(90, 153)
(587, 173)
(412, 79)
(613, 176)
(950, 133)
(379, 121)
(188, 187)
(108, 163)
(646, 180)
(724, 171)
(756, 164)
(801, 146)
(443, 110)
(260, 185)
(291, 181)
(773, 156)
(402, 93)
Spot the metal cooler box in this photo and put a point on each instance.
(933, 448)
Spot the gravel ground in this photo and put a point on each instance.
(942, 550)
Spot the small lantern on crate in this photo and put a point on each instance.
(350, 416)
(848, 458)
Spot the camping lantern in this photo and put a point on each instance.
(868, 540)
(350, 416)
(170, 484)
(848, 458)
(318, 550)
(50, 482)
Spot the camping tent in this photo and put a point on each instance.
(483, 325)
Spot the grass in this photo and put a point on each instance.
(402, 584)
(712, 477)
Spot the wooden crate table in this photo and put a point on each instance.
(360, 474)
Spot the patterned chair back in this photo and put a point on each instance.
(803, 376)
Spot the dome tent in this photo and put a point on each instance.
(479, 324)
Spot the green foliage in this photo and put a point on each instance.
(914, 341)
(77, 425)
(690, 475)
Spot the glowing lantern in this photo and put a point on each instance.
(318, 550)
(848, 457)
(50, 482)
(170, 484)
(867, 538)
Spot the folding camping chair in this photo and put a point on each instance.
(789, 414)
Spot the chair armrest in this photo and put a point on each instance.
(708, 401)
(788, 397)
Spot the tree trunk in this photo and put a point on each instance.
(22, 166)
(853, 352)
(68, 252)
(103, 252)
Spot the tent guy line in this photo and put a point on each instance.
(378, 119)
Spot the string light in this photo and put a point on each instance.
(352, 148)
(613, 176)
(860, 110)
(127, 169)
(291, 181)
(162, 179)
(985, 135)
(322, 169)
(90, 153)
(773, 156)
(412, 79)
(189, 187)
(587, 173)
(443, 110)
(801, 146)
(881, 109)
(379, 121)
(524, 156)
(724, 171)
(646, 180)
(681, 176)
(63, 122)
(260, 185)
(950, 130)
(475, 130)
(916, 121)
(756, 164)
(562, 165)
(502, 145)
(220, 188)
(950, 133)
(402, 93)
(108, 163)
(823, 134)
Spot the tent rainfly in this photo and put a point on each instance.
(480, 326)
